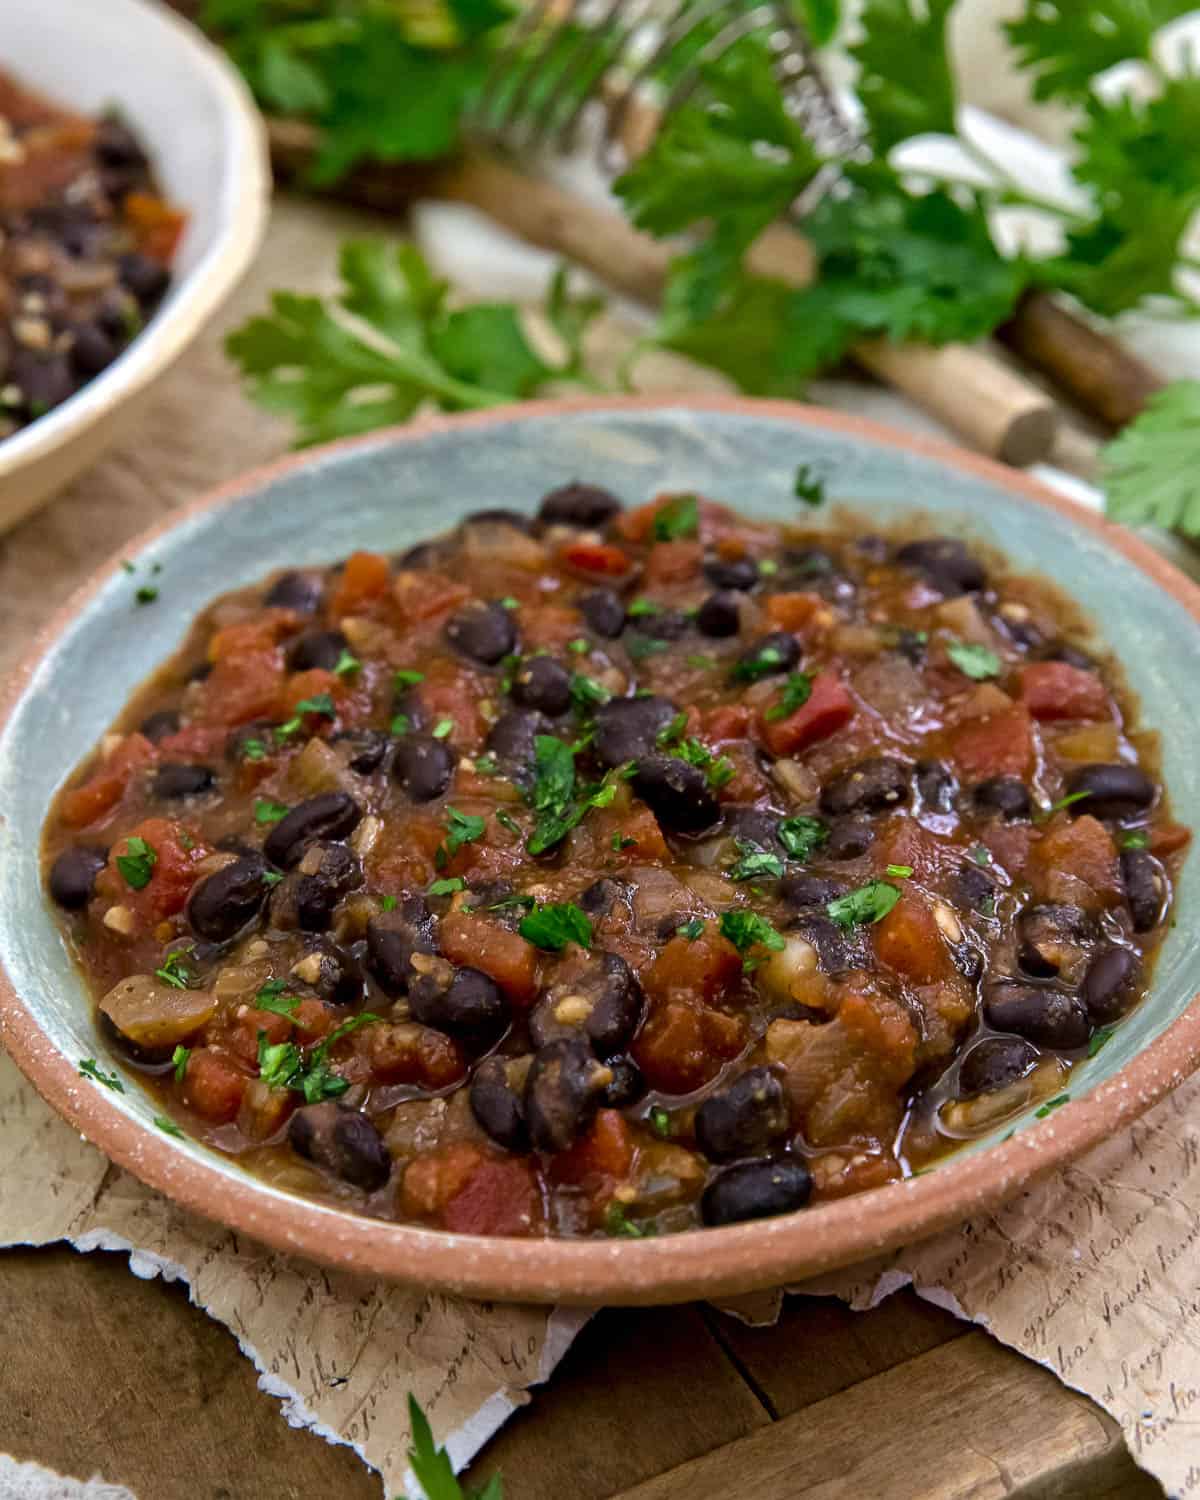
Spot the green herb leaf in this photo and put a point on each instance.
(619, 842)
(980, 854)
(900, 872)
(267, 811)
(869, 903)
(755, 863)
(691, 929)
(168, 1127)
(802, 835)
(271, 877)
(796, 692)
(1066, 45)
(447, 886)
(430, 1464)
(579, 646)
(462, 828)
(1135, 840)
(974, 661)
(660, 1121)
(508, 822)
(808, 486)
(253, 749)
(88, 1068)
(551, 793)
(762, 663)
(179, 1062)
(407, 678)
(147, 594)
(401, 724)
(443, 729)
(671, 731)
(746, 930)
(387, 903)
(279, 1063)
(174, 972)
(553, 927)
(346, 664)
(1051, 1104)
(676, 519)
(586, 692)
(904, 81)
(701, 663)
(137, 863)
(1099, 1038)
(641, 646)
(1152, 470)
(618, 1223)
(1043, 814)
(271, 997)
(320, 703)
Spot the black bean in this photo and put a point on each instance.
(340, 979)
(1023, 633)
(223, 903)
(564, 1089)
(870, 786)
(936, 785)
(607, 989)
(1051, 937)
(483, 631)
(499, 515)
(115, 145)
(945, 563)
(434, 554)
(809, 562)
(423, 766)
(369, 749)
(91, 349)
(44, 380)
(497, 1106)
(838, 949)
(848, 839)
(200, 671)
(73, 875)
(743, 1118)
(777, 652)
(756, 1190)
(1113, 791)
(912, 645)
(1072, 655)
(1051, 1018)
(301, 592)
(664, 625)
(805, 890)
(676, 792)
(342, 1141)
(719, 616)
(257, 736)
(173, 780)
(470, 1005)
(627, 1086)
(974, 889)
(392, 939)
(544, 684)
(753, 825)
(740, 573)
(157, 726)
(316, 649)
(318, 891)
(584, 505)
(1003, 796)
(627, 728)
(1106, 985)
(994, 1063)
(599, 899)
(604, 612)
(147, 279)
(1145, 884)
(328, 816)
(409, 707)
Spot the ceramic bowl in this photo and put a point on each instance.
(204, 136)
(387, 491)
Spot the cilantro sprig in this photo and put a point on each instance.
(553, 926)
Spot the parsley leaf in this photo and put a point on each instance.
(904, 79)
(796, 692)
(272, 998)
(676, 519)
(808, 486)
(868, 903)
(1152, 470)
(618, 1223)
(407, 678)
(746, 930)
(1135, 840)
(267, 811)
(168, 1127)
(551, 794)
(173, 971)
(1050, 1105)
(1099, 1038)
(586, 692)
(137, 863)
(447, 886)
(88, 1068)
(346, 664)
(802, 835)
(691, 929)
(1065, 45)
(179, 1062)
(553, 927)
(760, 663)
(755, 863)
(899, 872)
(462, 828)
(976, 662)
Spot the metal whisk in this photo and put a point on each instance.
(564, 55)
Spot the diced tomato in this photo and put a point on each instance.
(430, 1181)
(999, 745)
(247, 676)
(909, 941)
(884, 1028)
(499, 1197)
(1169, 837)
(600, 1157)
(1056, 690)
(454, 693)
(795, 612)
(242, 1034)
(599, 558)
(505, 955)
(313, 1019)
(403, 1052)
(201, 741)
(106, 786)
(213, 1085)
(728, 721)
(157, 227)
(673, 562)
(549, 626)
(1075, 861)
(305, 686)
(172, 874)
(1009, 844)
(684, 1046)
(427, 596)
(700, 969)
(264, 1111)
(828, 709)
(904, 842)
(364, 579)
(635, 525)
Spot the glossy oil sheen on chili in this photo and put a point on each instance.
(617, 871)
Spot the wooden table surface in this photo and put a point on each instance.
(103, 1373)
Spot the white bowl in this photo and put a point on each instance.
(195, 117)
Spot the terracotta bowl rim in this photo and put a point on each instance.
(739, 1258)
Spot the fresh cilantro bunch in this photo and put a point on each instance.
(1152, 470)
(388, 344)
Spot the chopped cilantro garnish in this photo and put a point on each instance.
(406, 678)
(387, 903)
(487, 764)
(319, 703)
(755, 863)
(586, 691)
(620, 841)
(462, 828)
(508, 602)
(869, 903)
(137, 863)
(1044, 813)
(271, 997)
(1135, 840)
(900, 872)
(807, 486)
(147, 594)
(980, 854)
(746, 930)
(1099, 1038)
(253, 749)
(669, 733)
(801, 835)
(173, 971)
(88, 1068)
(796, 692)
(1051, 1104)
(767, 567)
(676, 519)
(761, 663)
(977, 662)
(443, 728)
(640, 607)
(618, 1224)
(447, 886)
(691, 929)
(267, 811)
(346, 664)
(168, 1127)
(640, 646)
(579, 646)
(401, 724)
(507, 821)
(272, 877)
(700, 662)
(553, 927)
(179, 1062)
(553, 789)
(660, 1123)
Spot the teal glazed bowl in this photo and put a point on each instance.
(388, 490)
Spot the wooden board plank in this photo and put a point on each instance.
(819, 1346)
(641, 1390)
(968, 1421)
(104, 1373)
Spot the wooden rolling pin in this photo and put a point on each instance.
(965, 387)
